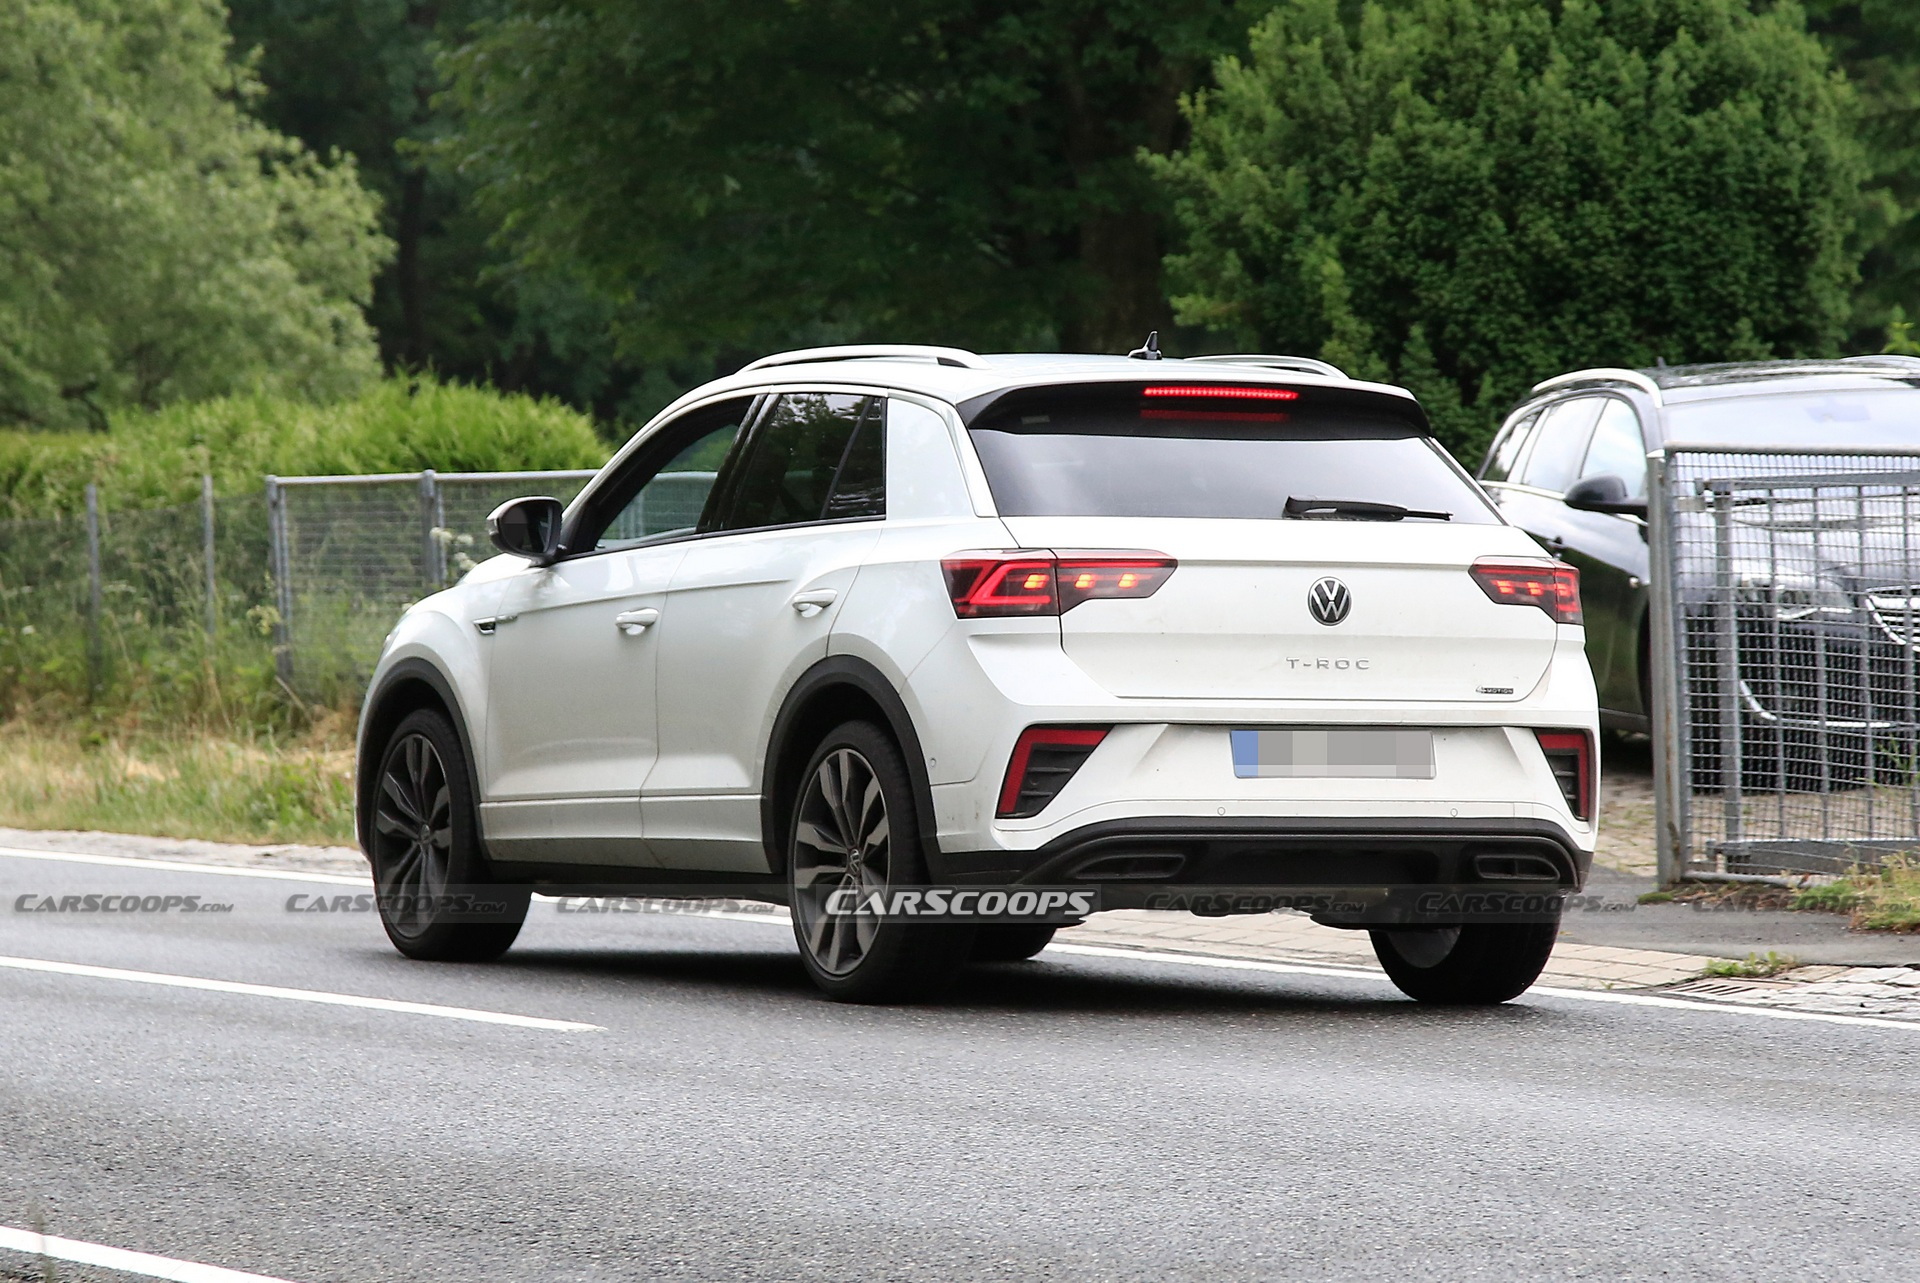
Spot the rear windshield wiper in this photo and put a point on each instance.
(1355, 510)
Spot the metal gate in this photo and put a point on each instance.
(1786, 684)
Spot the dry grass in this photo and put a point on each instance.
(181, 783)
(1886, 900)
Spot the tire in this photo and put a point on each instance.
(425, 848)
(1479, 964)
(1012, 942)
(853, 827)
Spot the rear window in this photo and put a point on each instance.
(1170, 450)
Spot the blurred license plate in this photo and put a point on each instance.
(1333, 752)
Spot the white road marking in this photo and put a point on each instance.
(1222, 964)
(115, 1258)
(179, 866)
(299, 995)
(1544, 991)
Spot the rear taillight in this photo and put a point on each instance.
(1554, 589)
(1041, 583)
(983, 586)
(1044, 759)
(1570, 754)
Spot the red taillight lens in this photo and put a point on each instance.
(986, 586)
(1085, 578)
(1024, 583)
(1216, 390)
(1044, 759)
(1554, 589)
(1570, 754)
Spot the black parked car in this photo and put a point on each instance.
(1569, 467)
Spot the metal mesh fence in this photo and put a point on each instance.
(350, 553)
(1788, 592)
(131, 608)
(297, 586)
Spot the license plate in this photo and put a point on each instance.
(1333, 753)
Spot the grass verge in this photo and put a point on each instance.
(231, 787)
(1886, 900)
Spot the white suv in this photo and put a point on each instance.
(862, 629)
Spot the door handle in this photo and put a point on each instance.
(635, 622)
(812, 603)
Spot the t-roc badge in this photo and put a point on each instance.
(1329, 601)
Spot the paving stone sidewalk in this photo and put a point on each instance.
(1284, 937)
(1293, 937)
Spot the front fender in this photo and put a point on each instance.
(434, 655)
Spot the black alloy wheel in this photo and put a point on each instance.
(853, 838)
(434, 894)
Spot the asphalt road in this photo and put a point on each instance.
(1073, 1118)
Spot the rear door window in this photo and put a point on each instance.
(1117, 450)
(812, 456)
(860, 486)
(1618, 449)
(1560, 443)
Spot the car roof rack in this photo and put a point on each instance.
(1305, 364)
(959, 358)
(1604, 374)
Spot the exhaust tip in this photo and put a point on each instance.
(1515, 868)
(1130, 868)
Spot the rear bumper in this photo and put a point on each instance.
(1353, 873)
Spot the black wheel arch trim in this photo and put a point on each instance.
(367, 761)
(842, 670)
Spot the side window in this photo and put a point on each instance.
(667, 486)
(1506, 450)
(813, 455)
(860, 488)
(1618, 448)
(1560, 443)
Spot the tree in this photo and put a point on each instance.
(1470, 195)
(360, 77)
(1878, 43)
(734, 175)
(155, 241)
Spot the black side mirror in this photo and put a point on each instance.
(1606, 493)
(527, 528)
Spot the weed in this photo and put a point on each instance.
(1753, 967)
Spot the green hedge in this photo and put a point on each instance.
(150, 459)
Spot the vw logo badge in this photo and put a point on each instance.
(1329, 601)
